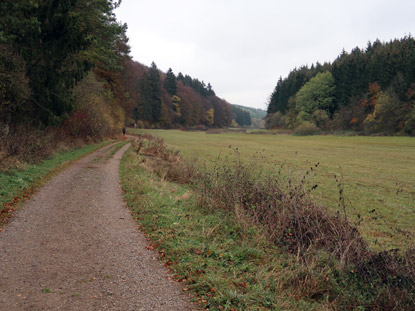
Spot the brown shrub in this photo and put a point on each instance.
(289, 217)
(306, 128)
(79, 124)
(24, 144)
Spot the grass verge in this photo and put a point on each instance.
(18, 185)
(227, 266)
(228, 258)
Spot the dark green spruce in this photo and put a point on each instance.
(150, 95)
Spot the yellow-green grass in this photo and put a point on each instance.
(378, 173)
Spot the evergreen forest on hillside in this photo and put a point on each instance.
(369, 90)
(66, 75)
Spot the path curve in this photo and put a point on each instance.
(74, 246)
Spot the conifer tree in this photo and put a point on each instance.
(170, 83)
(144, 101)
(210, 91)
(150, 98)
(180, 76)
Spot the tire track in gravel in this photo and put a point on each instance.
(74, 246)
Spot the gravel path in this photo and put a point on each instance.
(74, 246)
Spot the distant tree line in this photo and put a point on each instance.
(242, 117)
(166, 101)
(256, 115)
(370, 90)
(65, 71)
(200, 87)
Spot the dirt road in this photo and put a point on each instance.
(74, 246)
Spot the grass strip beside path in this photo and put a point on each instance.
(225, 265)
(16, 186)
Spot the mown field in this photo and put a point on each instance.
(377, 173)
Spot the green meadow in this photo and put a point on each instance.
(376, 173)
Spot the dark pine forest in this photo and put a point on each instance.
(370, 90)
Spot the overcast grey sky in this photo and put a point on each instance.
(242, 47)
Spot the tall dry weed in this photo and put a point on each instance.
(291, 219)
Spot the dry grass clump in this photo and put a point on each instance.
(167, 163)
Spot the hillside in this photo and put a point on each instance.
(162, 100)
(253, 112)
(369, 90)
(248, 116)
(67, 78)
